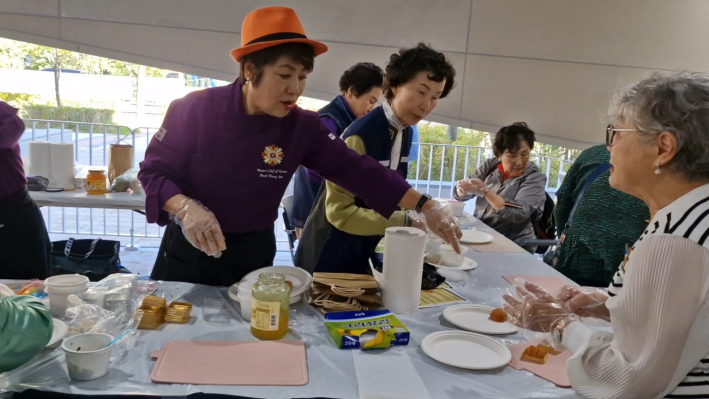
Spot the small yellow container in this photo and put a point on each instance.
(96, 182)
(178, 312)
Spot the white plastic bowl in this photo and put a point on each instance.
(87, 355)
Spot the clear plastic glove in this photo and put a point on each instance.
(533, 308)
(6, 291)
(200, 227)
(584, 301)
(470, 187)
(442, 224)
(416, 221)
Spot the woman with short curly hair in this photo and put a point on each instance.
(416, 79)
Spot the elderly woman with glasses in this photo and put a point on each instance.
(509, 189)
(658, 303)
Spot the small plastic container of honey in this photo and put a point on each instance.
(96, 182)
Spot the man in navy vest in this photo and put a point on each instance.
(415, 80)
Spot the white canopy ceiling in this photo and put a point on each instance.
(551, 63)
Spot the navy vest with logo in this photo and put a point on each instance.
(347, 253)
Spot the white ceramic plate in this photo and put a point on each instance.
(60, 331)
(476, 237)
(468, 264)
(466, 350)
(300, 278)
(476, 318)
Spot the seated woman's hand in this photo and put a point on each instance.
(584, 301)
(468, 187)
(534, 309)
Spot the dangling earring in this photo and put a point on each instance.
(657, 169)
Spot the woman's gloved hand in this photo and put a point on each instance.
(416, 221)
(534, 308)
(443, 225)
(584, 301)
(470, 187)
(200, 227)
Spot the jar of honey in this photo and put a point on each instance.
(270, 306)
(96, 182)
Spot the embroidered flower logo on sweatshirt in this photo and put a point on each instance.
(272, 155)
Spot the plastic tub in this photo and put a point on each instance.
(87, 355)
(58, 288)
(67, 283)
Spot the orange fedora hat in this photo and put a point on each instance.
(271, 26)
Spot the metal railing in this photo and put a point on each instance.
(435, 170)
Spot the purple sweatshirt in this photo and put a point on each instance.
(12, 173)
(239, 165)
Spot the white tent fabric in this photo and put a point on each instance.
(551, 63)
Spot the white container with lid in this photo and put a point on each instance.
(58, 288)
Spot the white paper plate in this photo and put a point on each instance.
(466, 350)
(60, 331)
(468, 264)
(234, 294)
(300, 278)
(476, 237)
(476, 318)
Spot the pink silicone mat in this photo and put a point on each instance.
(551, 284)
(266, 363)
(554, 370)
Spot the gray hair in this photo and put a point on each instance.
(678, 103)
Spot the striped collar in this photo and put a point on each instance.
(686, 216)
(391, 117)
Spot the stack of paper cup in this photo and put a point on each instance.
(87, 355)
(60, 287)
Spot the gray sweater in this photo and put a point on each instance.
(526, 191)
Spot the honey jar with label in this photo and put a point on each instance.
(270, 307)
(96, 182)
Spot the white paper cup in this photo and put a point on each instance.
(456, 208)
(450, 258)
(87, 355)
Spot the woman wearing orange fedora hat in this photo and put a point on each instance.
(215, 172)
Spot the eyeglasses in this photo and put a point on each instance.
(516, 158)
(611, 131)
